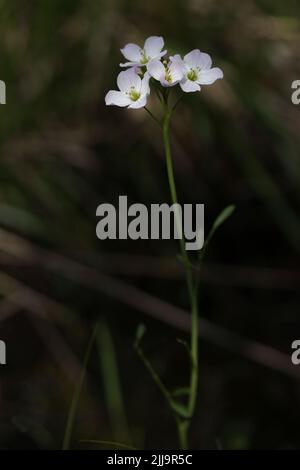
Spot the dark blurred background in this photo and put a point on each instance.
(63, 153)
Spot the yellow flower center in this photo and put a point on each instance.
(192, 75)
(144, 58)
(134, 95)
(168, 76)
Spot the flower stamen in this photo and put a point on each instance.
(193, 75)
(144, 58)
(133, 94)
(168, 76)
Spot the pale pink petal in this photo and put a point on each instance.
(161, 54)
(137, 68)
(130, 64)
(145, 88)
(156, 69)
(196, 59)
(153, 46)
(165, 83)
(116, 98)
(177, 58)
(188, 86)
(176, 70)
(208, 77)
(205, 61)
(128, 79)
(132, 52)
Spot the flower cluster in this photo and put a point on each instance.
(144, 63)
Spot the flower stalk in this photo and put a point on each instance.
(184, 423)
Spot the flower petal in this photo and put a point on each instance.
(161, 54)
(199, 59)
(116, 98)
(140, 103)
(132, 52)
(145, 88)
(156, 69)
(208, 77)
(176, 70)
(130, 64)
(188, 86)
(153, 46)
(176, 57)
(129, 79)
(205, 61)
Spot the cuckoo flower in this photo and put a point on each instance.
(167, 73)
(141, 56)
(194, 70)
(133, 90)
(198, 71)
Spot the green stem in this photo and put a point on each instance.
(183, 425)
(170, 171)
(154, 375)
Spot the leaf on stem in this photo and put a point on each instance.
(222, 217)
(220, 220)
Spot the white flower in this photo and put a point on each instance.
(133, 90)
(141, 56)
(198, 71)
(168, 74)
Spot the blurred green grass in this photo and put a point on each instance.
(62, 153)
